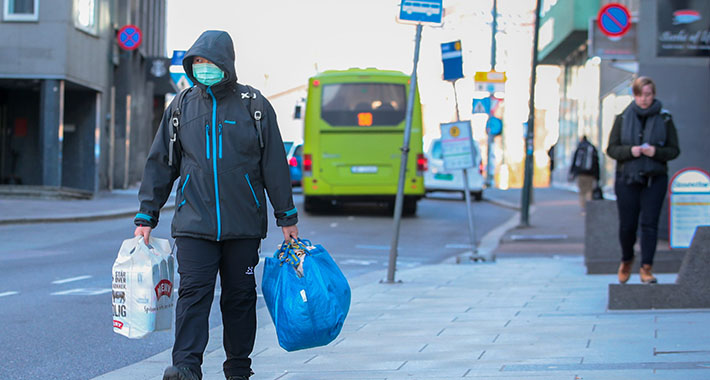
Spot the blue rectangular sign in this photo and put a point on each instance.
(421, 11)
(452, 58)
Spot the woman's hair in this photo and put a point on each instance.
(640, 82)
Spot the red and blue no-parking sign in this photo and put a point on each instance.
(129, 37)
(614, 20)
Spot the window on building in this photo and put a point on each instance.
(21, 10)
(85, 15)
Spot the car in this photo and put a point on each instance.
(437, 178)
(294, 157)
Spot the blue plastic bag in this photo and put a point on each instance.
(307, 295)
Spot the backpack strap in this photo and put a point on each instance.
(255, 106)
(175, 123)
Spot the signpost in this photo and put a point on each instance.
(492, 82)
(129, 37)
(689, 205)
(418, 12)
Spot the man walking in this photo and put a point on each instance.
(226, 156)
(585, 167)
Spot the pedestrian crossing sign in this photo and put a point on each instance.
(482, 105)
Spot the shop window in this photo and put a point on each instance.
(21, 10)
(85, 15)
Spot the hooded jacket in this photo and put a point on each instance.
(223, 170)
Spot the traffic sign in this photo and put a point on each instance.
(421, 11)
(457, 145)
(178, 55)
(494, 126)
(491, 81)
(482, 105)
(129, 37)
(614, 20)
(452, 59)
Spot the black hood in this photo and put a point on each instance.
(217, 46)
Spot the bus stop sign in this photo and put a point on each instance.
(421, 11)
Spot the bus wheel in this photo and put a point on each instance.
(409, 207)
(311, 204)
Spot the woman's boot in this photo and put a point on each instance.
(646, 275)
(625, 271)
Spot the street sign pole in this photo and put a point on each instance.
(403, 166)
(490, 168)
(467, 192)
(530, 135)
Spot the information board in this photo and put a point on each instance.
(689, 205)
(457, 145)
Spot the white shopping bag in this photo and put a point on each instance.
(142, 287)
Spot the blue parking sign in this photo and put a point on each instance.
(429, 11)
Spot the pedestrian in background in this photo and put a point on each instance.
(220, 216)
(585, 167)
(642, 140)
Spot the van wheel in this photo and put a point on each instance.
(477, 195)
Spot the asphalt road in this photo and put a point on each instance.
(55, 279)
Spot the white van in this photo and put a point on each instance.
(437, 178)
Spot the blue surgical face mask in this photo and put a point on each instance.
(207, 73)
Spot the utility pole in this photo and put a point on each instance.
(490, 169)
(530, 133)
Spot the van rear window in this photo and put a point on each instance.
(363, 104)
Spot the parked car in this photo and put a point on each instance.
(294, 157)
(437, 178)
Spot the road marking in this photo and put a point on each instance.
(377, 247)
(333, 225)
(11, 293)
(359, 262)
(64, 281)
(458, 246)
(82, 292)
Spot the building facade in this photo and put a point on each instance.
(76, 110)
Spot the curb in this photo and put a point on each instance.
(114, 214)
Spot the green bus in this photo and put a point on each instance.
(353, 134)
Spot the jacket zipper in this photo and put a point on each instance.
(256, 200)
(220, 141)
(182, 191)
(207, 140)
(214, 162)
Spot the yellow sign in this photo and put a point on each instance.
(490, 76)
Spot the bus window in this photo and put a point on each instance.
(344, 103)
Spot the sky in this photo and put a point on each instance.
(279, 44)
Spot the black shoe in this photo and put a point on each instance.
(175, 373)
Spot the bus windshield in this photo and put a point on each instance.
(363, 104)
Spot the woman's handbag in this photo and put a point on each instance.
(307, 295)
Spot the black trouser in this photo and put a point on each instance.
(198, 263)
(645, 200)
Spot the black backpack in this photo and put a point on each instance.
(255, 106)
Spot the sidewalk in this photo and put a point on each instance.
(531, 314)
